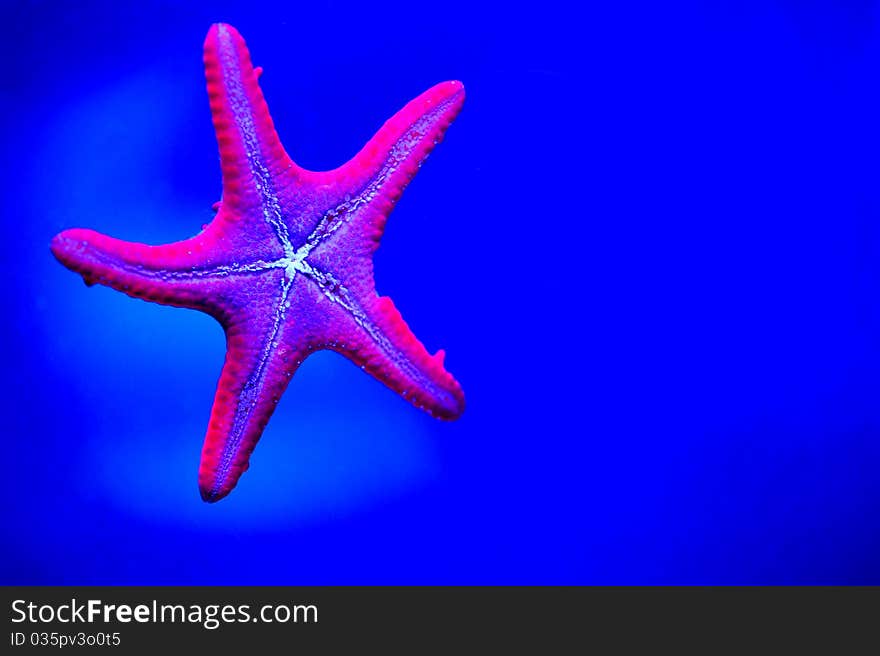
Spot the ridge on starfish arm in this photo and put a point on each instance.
(286, 264)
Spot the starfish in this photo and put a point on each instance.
(286, 265)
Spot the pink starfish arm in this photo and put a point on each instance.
(264, 347)
(187, 273)
(251, 154)
(366, 188)
(375, 336)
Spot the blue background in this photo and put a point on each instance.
(649, 245)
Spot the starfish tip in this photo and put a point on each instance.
(219, 32)
(457, 410)
(451, 90)
(210, 496)
(59, 243)
(220, 27)
(67, 244)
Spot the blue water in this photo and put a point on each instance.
(649, 246)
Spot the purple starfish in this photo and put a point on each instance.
(286, 265)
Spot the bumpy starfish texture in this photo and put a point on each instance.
(286, 264)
